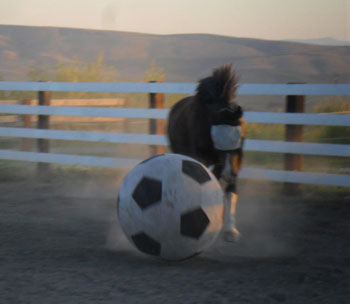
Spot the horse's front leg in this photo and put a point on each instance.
(227, 171)
(230, 231)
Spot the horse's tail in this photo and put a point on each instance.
(220, 87)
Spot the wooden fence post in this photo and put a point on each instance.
(294, 133)
(156, 126)
(43, 145)
(26, 123)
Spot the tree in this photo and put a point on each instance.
(76, 71)
(154, 73)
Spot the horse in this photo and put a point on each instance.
(209, 127)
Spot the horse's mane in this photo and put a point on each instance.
(219, 88)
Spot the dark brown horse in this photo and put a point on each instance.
(209, 127)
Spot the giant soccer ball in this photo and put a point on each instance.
(170, 206)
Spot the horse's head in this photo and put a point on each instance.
(215, 95)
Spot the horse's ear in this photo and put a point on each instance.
(239, 111)
(227, 116)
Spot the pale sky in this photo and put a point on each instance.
(264, 19)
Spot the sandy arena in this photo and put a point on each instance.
(61, 243)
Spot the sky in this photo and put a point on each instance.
(263, 19)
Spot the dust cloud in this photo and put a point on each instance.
(267, 219)
(264, 218)
(95, 200)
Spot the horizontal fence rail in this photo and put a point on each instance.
(185, 88)
(286, 147)
(251, 117)
(150, 139)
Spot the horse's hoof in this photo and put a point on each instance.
(231, 236)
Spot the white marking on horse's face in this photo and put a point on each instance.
(226, 137)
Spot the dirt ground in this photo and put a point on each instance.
(61, 243)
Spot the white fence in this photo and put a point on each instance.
(251, 117)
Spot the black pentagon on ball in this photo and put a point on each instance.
(147, 192)
(146, 244)
(193, 223)
(196, 171)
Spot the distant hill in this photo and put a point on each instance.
(323, 41)
(185, 58)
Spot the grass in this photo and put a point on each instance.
(320, 134)
(16, 171)
(311, 163)
(319, 193)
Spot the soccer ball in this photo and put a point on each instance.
(170, 206)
